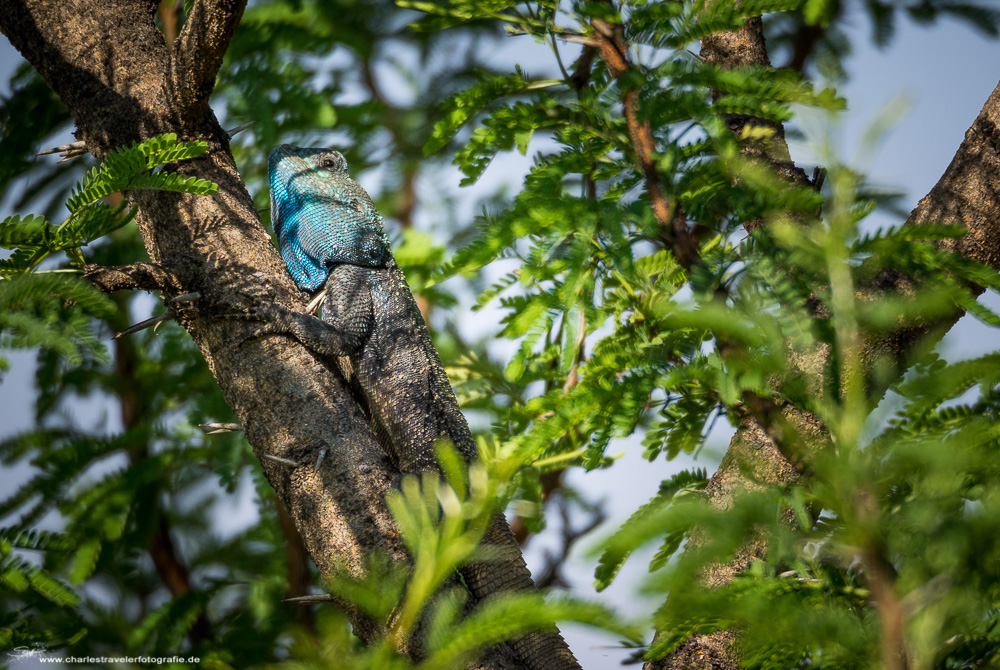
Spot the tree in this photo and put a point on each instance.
(795, 333)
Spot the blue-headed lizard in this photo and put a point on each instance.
(330, 234)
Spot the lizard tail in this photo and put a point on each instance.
(542, 650)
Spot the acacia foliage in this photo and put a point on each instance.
(51, 309)
(140, 563)
(896, 493)
(614, 337)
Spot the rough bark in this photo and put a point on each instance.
(968, 194)
(745, 47)
(111, 66)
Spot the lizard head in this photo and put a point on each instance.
(322, 217)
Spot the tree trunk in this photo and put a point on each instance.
(968, 194)
(112, 68)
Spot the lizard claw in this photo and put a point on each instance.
(278, 320)
(316, 335)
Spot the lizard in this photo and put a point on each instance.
(330, 234)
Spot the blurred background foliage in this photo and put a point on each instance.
(112, 545)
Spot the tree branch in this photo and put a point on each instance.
(299, 577)
(135, 276)
(176, 577)
(613, 50)
(168, 11)
(739, 48)
(765, 440)
(881, 578)
(968, 193)
(198, 52)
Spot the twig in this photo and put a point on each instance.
(677, 236)
(551, 574)
(169, 315)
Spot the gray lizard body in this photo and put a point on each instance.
(328, 228)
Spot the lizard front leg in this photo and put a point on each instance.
(326, 339)
(347, 322)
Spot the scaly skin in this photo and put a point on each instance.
(329, 231)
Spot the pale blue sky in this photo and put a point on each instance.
(947, 72)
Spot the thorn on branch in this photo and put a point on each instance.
(155, 321)
(67, 151)
(315, 302)
(559, 34)
(306, 600)
(151, 322)
(278, 459)
(819, 176)
(579, 39)
(221, 427)
(232, 132)
(79, 148)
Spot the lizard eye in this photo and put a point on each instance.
(329, 163)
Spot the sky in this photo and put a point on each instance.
(945, 72)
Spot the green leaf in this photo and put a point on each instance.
(84, 561)
(127, 168)
(473, 100)
(25, 232)
(635, 530)
(819, 12)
